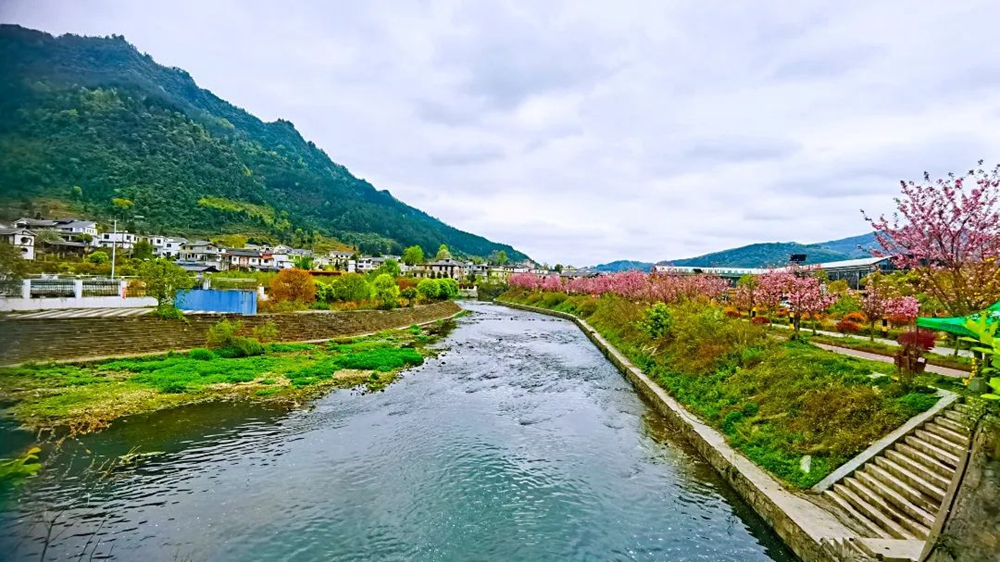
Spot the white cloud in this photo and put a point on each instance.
(582, 132)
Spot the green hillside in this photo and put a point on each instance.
(854, 247)
(624, 265)
(96, 113)
(768, 254)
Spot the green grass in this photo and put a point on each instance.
(91, 395)
(775, 400)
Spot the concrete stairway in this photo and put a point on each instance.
(897, 494)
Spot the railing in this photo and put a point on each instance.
(103, 288)
(52, 288)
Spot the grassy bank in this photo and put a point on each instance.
(88, 396)
(777, 401)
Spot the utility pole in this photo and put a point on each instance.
(114, 244)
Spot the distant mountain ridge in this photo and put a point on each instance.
(84, 120)
(764, 254)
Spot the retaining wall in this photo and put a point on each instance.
(806, 528)
(22, 341)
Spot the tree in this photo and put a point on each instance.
(385, 292)
(948, 231)
(13, 268)
(745, 295)
(76, 193)
(413, 255)
(143, 250)
(429, 289)
(875, 304)
(389, 267)
(85, 238)
(122, 204)
(772, 288)
(163, 279)
(293, 285)
(99, 257)
(303, 262)
(443, 253)
(806, 296)
(351, 287)
(502, 258)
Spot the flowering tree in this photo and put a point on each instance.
(875, 304)
(772, 287)
(948, 231)
(904, 309)
(524, 281)
(745, 295)
(806, 295)
(551, 283)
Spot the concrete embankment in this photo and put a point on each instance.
(87, 338)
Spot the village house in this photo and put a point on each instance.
(20, 238)
(70, 230)
(122, 240)
(438, 269)
(204, 253)
(256, 260)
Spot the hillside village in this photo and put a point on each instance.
(75, 238)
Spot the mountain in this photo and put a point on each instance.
(767, 254)
(623, 265)
(84, 120)
(852, 247)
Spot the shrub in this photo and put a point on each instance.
(168, 312)
(855, 317)
(99, 257)
(351, 287)
(293, 285)
(410, 294)
(225, 338)
(224, 333)
(922, 340)
(266, 332)
(848, 327)
(733, 313)
(428, 289)
(385, 291)
(759, 320)
(551, 300)
(201, 354)
(656, 321)
(449, 288)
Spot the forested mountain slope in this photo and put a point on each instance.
(96, 113)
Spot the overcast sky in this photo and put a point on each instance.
(582, 132)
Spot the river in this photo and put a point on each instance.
(519, 442)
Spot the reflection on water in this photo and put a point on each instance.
(521, 442)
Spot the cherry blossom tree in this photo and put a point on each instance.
(806, 295)
(948, 230)
(905, 308)
(875, 305)
(551, 283)
(772, 288)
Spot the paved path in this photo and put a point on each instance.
(948, 372)
(79, 313)
(939, 350)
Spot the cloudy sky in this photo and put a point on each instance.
(582, 132)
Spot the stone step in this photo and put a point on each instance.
(873, 513)
(963, 408)
(875, 495)
(918, 469)
(954, 449)
(956, 416)
(873, 529)
(933, 493)
(953, 425)
(926, 461)
(920, 444)
(960, 439)
(890, 550)
(896, 492)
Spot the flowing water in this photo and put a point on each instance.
(520, 442)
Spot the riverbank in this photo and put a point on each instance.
(88, 396)
(795, 410)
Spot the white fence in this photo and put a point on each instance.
(50, 294)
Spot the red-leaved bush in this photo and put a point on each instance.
(760, 320)
(917, 339)
(848, 327)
